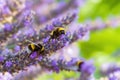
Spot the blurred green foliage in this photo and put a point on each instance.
(60, 76)
(107, 41)
(102, 44)
(99, 8)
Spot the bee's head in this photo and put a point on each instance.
(31, 47)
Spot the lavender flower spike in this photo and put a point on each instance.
(44, 33)
(11, 28)
(87, 71)
(57, 65)
(25, 58)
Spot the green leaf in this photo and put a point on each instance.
(107, 41)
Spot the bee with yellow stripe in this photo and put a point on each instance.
(79, 64)
(35, 47)
(57, 32)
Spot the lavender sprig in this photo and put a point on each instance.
(109, 68)
(87, 71)
(18, 61)
(30, 34)
(30, 74)
(62, 8)
(10, 29)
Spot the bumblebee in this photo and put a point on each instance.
(79, 64)
(57, 32)
(35, 47)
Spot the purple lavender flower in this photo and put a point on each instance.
(8, 27)
(80, 33)
(72, 61)
(49, 27)
(28, 17)
(17, 48)
(87, 70)
(109, 68)
(6, 11)
(112, 77)
(33, 55)
(88, 67)
(6, 76)
(8, 64)
(46, 39)
(57, 23)
(40, 58)
(29, 32)
(1, 58)
(54, 65)
(6, 52)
